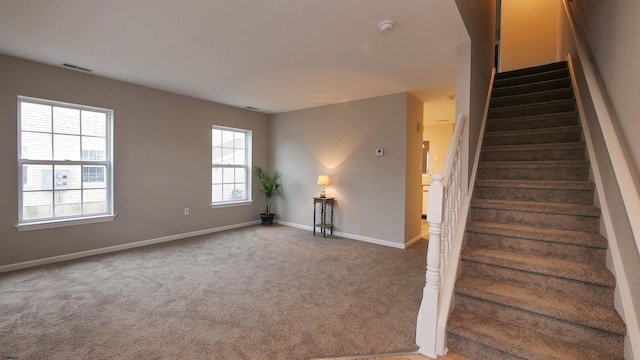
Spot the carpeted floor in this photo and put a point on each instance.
(250, 293)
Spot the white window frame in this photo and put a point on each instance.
(247, 166)
(61, 221)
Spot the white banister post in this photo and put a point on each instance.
(427, 317)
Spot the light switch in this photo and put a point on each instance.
(379, 152)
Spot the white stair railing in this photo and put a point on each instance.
(449, 203)
(445, 197)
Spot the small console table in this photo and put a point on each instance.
(323, 224)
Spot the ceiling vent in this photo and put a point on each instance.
(76, 67)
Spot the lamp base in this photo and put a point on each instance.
(323, 194)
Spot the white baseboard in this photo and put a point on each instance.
(352, 236)
(109, 249)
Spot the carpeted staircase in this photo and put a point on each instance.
(533, 281)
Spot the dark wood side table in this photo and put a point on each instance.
(322, 224)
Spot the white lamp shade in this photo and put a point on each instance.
(323, 180)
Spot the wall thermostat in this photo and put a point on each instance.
(379, 152)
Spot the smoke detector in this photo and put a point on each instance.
(385, 26)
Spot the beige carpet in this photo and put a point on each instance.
(250, 293)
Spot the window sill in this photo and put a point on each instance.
(231, 204)
(41, 225)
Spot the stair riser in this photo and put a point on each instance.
(530, 110)
(533, 155)
(553, 67)
(522, 80)
(522, 139)
(509, 124)
(588, 292)
(587, 337)
(476, 351)
(522, 99)
(571, 252)
(531, 88)
(582, 197)
(553, 221)
(552, 174)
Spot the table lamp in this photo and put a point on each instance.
(323, 180)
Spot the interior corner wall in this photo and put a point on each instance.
(341, 140)
(528, 33)
(413, 195)
(162, 159)
(479, 17)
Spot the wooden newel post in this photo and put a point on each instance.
(427, 317)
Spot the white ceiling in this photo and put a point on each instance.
(275, 55)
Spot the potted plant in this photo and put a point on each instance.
(270, 187)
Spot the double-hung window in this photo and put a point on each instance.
(230, 165)
(65, 163)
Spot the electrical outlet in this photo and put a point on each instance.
(186, 211)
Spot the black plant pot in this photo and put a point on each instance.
(267, 219)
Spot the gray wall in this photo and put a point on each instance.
(479, 17)
(340, 140)
(612, 29)
(162, 160)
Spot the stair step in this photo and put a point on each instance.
(579, 238)
(575, 170)
(534, 152)
(542, 108)
(567, 192)
(559, 83)
(550, 215)
(533, 136)
(493, 339)
(503, 80)
(588, 273)
(558, 307)
(541, 242)
(569, 118)
(584, 291)
(531, 97)
(560, 65)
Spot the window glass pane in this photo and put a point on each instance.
(94, 201)
(239, 140)
(228, 175)
(216, 155)
(38, 177)
(36, 146)
(227, 156)
(216, 137)
(241, 175)
(216, 176)
(37, 205)
(66, 177)
(93, 176)
(93, 148)
(227, 138)
(66, 121)
(66, 147)
(238, 157)
(227, 192)
(35, 117)
(94, 123)
(67, 203)
(216, 193)
(238, 192)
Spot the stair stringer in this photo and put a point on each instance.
(623, 295)
(447, 291)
